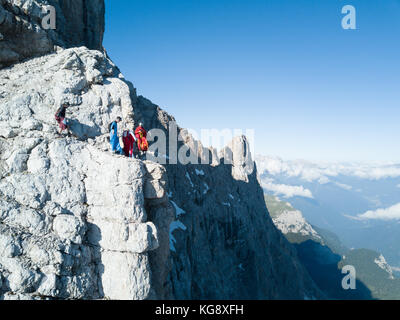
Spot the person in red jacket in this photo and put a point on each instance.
(141, 136)
(129, 139)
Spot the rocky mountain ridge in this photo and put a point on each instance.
(78, 222)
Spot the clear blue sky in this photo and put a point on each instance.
(285, 68)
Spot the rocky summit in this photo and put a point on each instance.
(78, 222)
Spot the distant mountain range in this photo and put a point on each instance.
(324, 256)
(359, 202)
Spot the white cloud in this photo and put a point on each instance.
(344, 186)
(285, 190)
(376, 173)
(391, 213)
(310, 171)
(323, 180)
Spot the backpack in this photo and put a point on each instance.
(143, 144)
(58, 113)
(109, 126)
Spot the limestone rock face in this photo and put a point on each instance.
(237, 153)
(24, 33)
(73, 217)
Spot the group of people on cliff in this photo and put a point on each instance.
(134, 141)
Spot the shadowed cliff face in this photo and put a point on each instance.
(223, 242)
(78, 23)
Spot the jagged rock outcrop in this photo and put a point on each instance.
(23, 31)
(291, 222)
(77, 222)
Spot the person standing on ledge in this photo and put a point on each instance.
(141, 136)
(60, 118)
(129, 140)
(114, 139)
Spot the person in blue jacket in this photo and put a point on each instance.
(114, 139)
